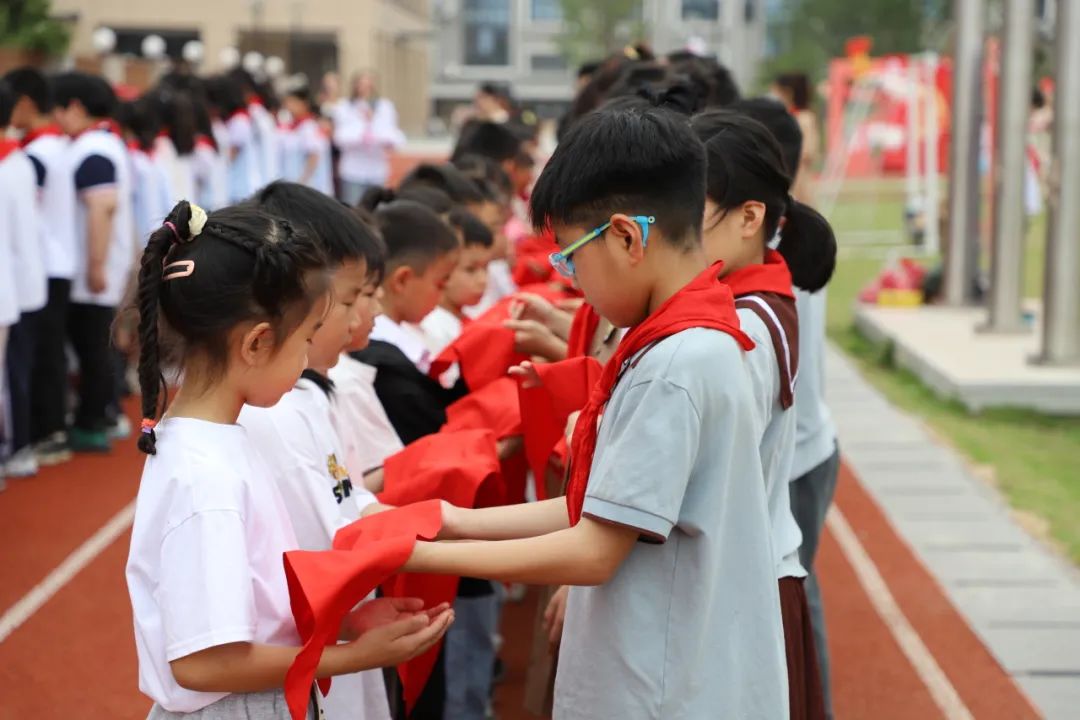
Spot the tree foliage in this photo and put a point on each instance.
(26, 25)
(593, 28)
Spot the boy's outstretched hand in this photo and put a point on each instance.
(526, 373)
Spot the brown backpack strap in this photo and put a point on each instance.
(782, 320)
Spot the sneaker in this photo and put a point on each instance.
(92, 441)
(53, 450)
(120, 429)
(22, 464)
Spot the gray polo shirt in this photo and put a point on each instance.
(689, 626)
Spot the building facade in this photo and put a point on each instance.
(515, 41)
(389, 37)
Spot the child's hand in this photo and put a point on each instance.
(395, 642)
(526, 373)
(554, 616)
(450, 525)
(527, 306)
(570, 305)
(532, 338)
(380, 611)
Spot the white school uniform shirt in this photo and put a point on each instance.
(205, 565)
(150, 195)
(406, 337)
(777, 444)
(298, 441)
(815, 434)
(19, 210)
(365, 134)
(441, 327)
(266, 142)
(300, 139)
(177, 170)
(364, 432)
(244, 175)
(689, 626)
(56, 202)
(100, 162)
(211, 175)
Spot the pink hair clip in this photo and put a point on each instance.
(169, 224)
(182, 269)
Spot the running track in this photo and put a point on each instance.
(67, 651)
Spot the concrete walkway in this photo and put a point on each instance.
(1019, 597)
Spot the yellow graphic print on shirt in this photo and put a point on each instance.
(343, 488)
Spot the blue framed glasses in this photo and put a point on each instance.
(564, 263)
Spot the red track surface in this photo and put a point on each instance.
(75, 657)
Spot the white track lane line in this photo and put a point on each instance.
(929, 672)
(62, 574)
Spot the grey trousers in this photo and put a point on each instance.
(811, 496)
(269, 705)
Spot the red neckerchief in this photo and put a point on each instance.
(43, 131)
(7, 146)
(582, 331)
(204, 142)
(239, 113)
(770, 276)
(704, 302)
(133, 146)
(255, 101)
(109, 126)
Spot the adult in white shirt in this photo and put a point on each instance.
(365, 131)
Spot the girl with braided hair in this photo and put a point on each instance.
(232, 300)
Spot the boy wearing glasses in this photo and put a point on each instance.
(664, 531)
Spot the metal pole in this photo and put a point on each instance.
(914, 116)
(1061, 303)
(1014, 100)
(964, 152)
(932, 212)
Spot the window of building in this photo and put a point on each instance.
(701, 10)
(546, 10)
(487, 32)
(547, 63)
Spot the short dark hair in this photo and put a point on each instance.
(176, 108)
(745, 163)
(636, 158)
(473, 231)
(225, 95)
(798, 84)
(444, 177)
(490, 139)
(488, 174)
(29, 82)
(7, 104)
(245, 265)
(302, 92)
(415, 236)
(91, 91)
(140, 117)
(782, 124)
(340, 233)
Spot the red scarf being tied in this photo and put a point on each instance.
(703, 303)
(771, 276)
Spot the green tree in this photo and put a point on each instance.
(811, 32)
(26, 25)
(593, 28)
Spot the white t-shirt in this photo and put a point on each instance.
(205, 565)
(99, 161)
(56, 201)
(500, 284)
(441, 327)
(364, 431)
(689, 626)
(305, 139)
(177, 169)
(777, 444)
(406, 337)
(298, 441)
(815, 435)
(19, 210)
(365, 134)
(266, 141)
(151, 196)
(244, 176)
(211, 176)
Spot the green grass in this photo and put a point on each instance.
(1034, 458)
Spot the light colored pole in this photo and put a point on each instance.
(932, 211)
(1014, 101)
(960, 266)
(914, 115)
(1061, 299)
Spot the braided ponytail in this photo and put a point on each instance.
(151, 275)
